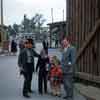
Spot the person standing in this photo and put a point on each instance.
(56, 43)
(68, 66)
(26, 65)
(43, 70)
(21, 45)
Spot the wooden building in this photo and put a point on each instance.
(2, 34)
(83, 17)
(57, 31)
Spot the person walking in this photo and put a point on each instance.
(43, 70)
(13, 47)
(26, 65)
(68, 66)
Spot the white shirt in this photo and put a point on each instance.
(29, 56)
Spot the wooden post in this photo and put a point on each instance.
(1, 33)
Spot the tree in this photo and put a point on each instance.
(11, 30)
(39, 21)
(27, 25)
(16, 28)
(31, 25)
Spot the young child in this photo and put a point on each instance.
(55, 76)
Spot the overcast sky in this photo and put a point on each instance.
(15, 9)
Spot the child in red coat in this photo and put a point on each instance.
(55, 76)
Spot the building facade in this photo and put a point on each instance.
(57, 31)
(2, 34)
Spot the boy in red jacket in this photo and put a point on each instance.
(55, 76)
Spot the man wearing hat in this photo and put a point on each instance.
(26, 65)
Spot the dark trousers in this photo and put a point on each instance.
(68, 85)
(27, 79)
(42, 80)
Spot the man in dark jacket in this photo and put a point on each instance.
(43, 70)
(26, 65)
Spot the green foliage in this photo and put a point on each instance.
(11, 30)
(34, 24)
(16, 28)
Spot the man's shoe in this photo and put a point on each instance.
(26, 95)
(40, 93)
(31, 91)
(45, 92)
(59, 95)
(65, 97)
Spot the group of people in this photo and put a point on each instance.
(14, 46)
(48, 68)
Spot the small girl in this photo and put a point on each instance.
(55, 76)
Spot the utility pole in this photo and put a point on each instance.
(52, 14)
(1, 19)
(63, 14)
(1, 12)
(51, 28)
(2, 33)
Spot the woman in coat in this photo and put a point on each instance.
(13, 47)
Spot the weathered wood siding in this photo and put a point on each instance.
(82, 16)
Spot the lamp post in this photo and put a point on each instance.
(63, 14)
(52, 14)
(50, 27)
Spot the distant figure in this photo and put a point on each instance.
(43, 71)
(21, 45)
(13, 47)
(56, 43)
